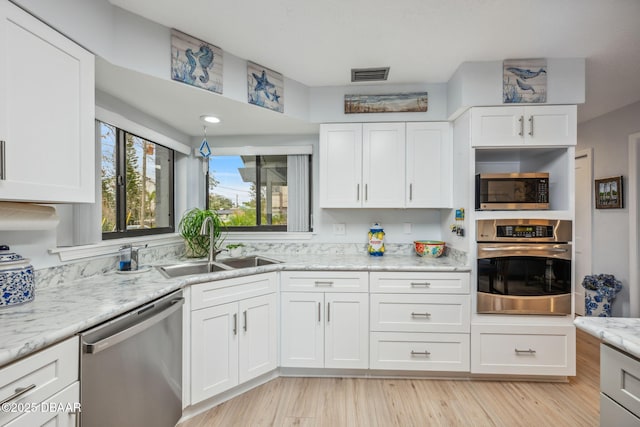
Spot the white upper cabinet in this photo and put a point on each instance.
(429, 165)
(46, 113)
(341, 165)
(385, 165)
(517, 126)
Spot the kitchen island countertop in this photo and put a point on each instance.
(620, 332)
(60, 311)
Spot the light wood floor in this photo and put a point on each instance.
(376, 402)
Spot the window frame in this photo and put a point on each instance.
(121, 183)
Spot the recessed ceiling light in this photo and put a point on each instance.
(210, 119)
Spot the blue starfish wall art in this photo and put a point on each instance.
(195, 62)
(524, 81)
(265, 87)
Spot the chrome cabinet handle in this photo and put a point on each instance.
(3, 162)
(425, 314)
(319, 308)
(235, 323)
(521, 120)
(524, 248)
(323, 283)
(328, 312)
(531, 126)
(529, 351)
(410, 192)
(358, 192)
(366, 192)
(417, 353)
(419, 284)
(244, 313)
(18, 392)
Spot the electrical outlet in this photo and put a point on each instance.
(339, 229)
(407, 228)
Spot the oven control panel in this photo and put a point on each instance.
(527, 231)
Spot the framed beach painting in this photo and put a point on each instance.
(524, 81)
(196, 62)
(608, 193)
(412, 102)
(265, 87)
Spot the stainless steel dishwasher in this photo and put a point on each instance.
(131, 367)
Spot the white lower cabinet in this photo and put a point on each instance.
(40, 378)
(60, 410)
(324, 329)
(619, 388)
(236, 341)
(420, 321)
(523, 349)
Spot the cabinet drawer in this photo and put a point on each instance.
(420, 313)
(318, 281)
(60, 410)
(419, 351)
(419, 282)
(44, 374)
(523, 350)
(620, 378)
(228, 290)
(612, 414)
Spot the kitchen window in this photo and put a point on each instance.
(137, 184)
(260, 192)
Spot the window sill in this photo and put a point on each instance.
(276, 236)
(110, 247)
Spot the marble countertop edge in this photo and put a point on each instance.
(620, 332)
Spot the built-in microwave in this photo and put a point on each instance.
(512, 191)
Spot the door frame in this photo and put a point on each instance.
(634, 217)
(588, 153)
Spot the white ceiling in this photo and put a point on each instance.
(317, 42)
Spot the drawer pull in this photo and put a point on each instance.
(418, 284)
(235, 323)
(244, 313)
(319, 308)
(323, 283)
(420, 353)
(525, 351)
(420, 314)
(18, 392)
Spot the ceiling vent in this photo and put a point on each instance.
(378, 74)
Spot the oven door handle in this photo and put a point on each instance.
(525, 248)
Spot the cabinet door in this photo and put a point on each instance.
(302, 329)
(429, 163)
(258, 336)
(347, 330)
(497, 126)
(46, 112)
(341, 165)
(214, 351)
(551, 125)
(383, 165)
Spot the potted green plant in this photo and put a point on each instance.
(197, 245)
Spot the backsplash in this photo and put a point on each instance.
(53, 276)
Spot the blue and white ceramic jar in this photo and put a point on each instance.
(17, 282)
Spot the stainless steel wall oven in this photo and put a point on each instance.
(524, 266)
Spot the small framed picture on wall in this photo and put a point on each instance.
(608, 192)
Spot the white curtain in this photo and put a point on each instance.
(298, 198)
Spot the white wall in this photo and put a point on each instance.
(608, 135)
(480, 84)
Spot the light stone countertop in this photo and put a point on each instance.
(621, 332)
(60, 311)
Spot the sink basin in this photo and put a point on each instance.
(189, 268)
(248, 261)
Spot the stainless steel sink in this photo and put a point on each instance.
(202, 267)
(189, 268)
(248, 261)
